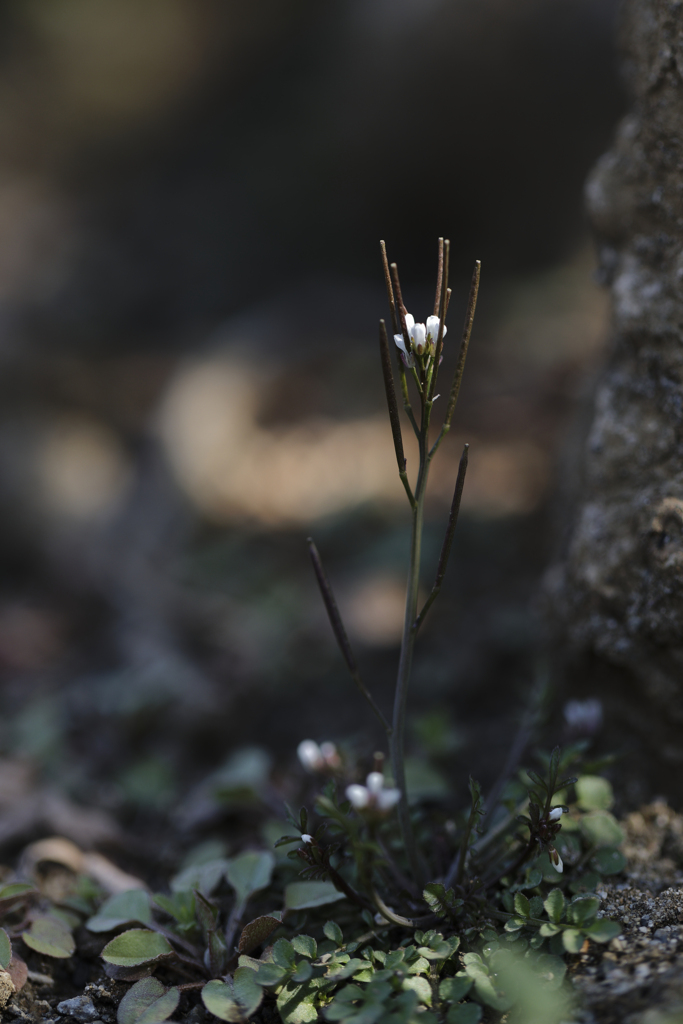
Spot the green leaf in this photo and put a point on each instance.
(5, 949)
(333, 932)
(305, 946)
(130, 907)
(594, 793)
(270, 974)
(608, 861)
(420, 986)
(257, 931)
(455, 989)
(202, 877)
(303, 972)
(284, 954)
(548, 930)
(249, 873)
(582, 910)
(218, 999)
(464, 1013)
(12, 893)
(440, 900)
(601, 829)
(248, 992)
(50, 937)
(554, 904)
(486, 992)
(296, 1004)
(180, 905)
(604, 930)
(303, 895)
(136, 946)
(522, 905)
(147, 1002)
(572, 940)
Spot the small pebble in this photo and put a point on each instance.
(81, 1008)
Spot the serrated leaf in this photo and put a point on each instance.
(257, 931)
(147, 1002)
(130, 907)
(136, 946)
(50, 937)
(554, 904)
(464, 1013)
(303, 972)
(440, 900)
(455, 989)
(333, 932)
(572, 940)
(249, 873)
(604, 930)
(5, 949)
(248, 993)
(218, 999)
(304, 895)
(594, 793)
(304, 945)
(284, 954)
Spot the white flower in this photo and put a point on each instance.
(422, 337)
(556, 860)
(373, 795)
(305, 838)
(316, 758)
(584, 716)
(556, 814)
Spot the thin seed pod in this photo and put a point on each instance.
(339, 632)
(443, 306)
(391, 396)
(439, 280)
(400, 307)
(448, 539)
(464, 345)
(390, 290)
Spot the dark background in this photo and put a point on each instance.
(191, 198)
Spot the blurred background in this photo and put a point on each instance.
(192, 194)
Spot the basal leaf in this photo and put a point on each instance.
(333, 932)
(594, 793)
(147, 1002)
(130, 907)
(179, 905)
(604, 930)
(420, 986)
(554, 904)
(296, 1004)
(249, 872)
(601, 829)
(608, 861)
(572, 940)
(218, 999)
(455, 989)
(522, 905)
(257, 931)
(270, 974)
(582, 910)
(303, 895)
(247, 992)
(136, 946)
(50, 937)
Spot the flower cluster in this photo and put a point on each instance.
(422, 338)
(372, 796)
(314, 758)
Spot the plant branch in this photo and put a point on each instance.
(340, 633)
(443, 301)
(448, 539)
(439, 280)
(390, 290)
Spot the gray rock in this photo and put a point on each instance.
(81, 1008)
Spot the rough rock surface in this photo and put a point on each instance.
(621, 589)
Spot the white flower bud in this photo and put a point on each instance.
(387, 798)
(556, 861)
(305, 838)
(556, 814)
(310, 755)
(330, 755)
(358, 795)
(418, 337)
(432, 327)
(375, 782)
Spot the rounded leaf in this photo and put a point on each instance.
(5, 949)
(257, 931)
(123, 908)
(464, 1013)
(247, 993)
(333, 932)
(455, 989)
(50, 937)
(249, 873)
(608, 861)
(601, 829)
(136, 946)
(218, 999)
(304, 945)
(594, 793)
(147, 1002)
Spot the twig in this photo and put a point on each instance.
(390, 290)
(439, 280)
(340, 633)
(448, 539)
(443, 305)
